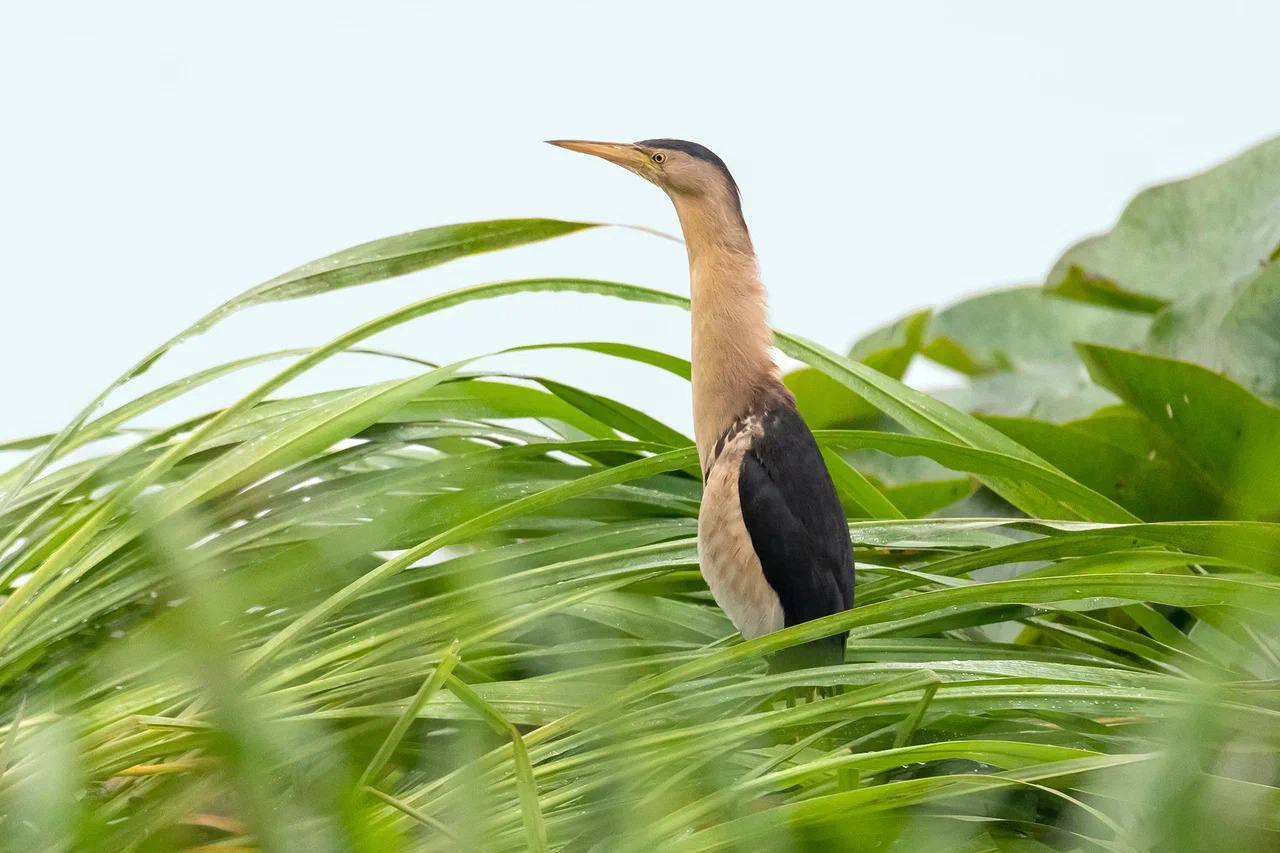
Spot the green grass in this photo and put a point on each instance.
(462, 610)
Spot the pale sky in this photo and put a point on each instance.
(160, 157)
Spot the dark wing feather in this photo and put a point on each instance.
(798, 529)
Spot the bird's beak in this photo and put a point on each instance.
(624, 154)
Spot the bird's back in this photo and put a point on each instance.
(772, 537)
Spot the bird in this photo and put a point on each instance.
(773, 542)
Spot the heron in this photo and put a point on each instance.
(773, 543)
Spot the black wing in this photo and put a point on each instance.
(797, 527)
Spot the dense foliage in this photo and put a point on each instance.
(462, 609)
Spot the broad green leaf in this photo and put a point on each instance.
(1180, 239)
(1227, 436)
(1120, 455)
(825, 403)
(1020, 327)
(1056, 392)
(1232, 330)
(890, 349)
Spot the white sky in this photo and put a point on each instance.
(157, 158)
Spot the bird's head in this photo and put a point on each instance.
(686, 170)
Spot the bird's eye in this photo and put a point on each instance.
(659, 157)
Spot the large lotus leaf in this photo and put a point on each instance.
(1023, 326)
(1227, 436)
(1180, 239)
(1120, 454)
(1049, 392)
(1235, 331)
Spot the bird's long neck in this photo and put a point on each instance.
(734, 373)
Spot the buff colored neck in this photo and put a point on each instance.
(734, 373)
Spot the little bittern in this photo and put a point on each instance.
(773, 543)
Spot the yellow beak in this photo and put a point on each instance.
(624, 154)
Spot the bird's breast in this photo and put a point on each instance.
(725, 554)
